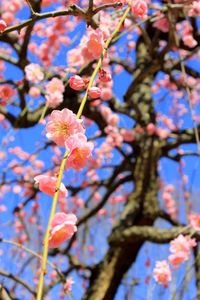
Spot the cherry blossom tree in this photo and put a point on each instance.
(99, 116)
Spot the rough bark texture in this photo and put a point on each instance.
(140, 209)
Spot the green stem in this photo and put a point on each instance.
(43, 112)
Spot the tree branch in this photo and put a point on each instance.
(151, 234)
(18, 280)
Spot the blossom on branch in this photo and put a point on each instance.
(3, 25)
(61, 125)
(62, 228)
(79, 151)
(162, 273)
(180, 249)
(47, 185)
(34, 73)
(77, 83)
(139, 8)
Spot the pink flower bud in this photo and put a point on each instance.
(94, 92)
(139, 8)
(106, 94)
(151, 129)
(104, 76)
(3, 25)
(76, 83)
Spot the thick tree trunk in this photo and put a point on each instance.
(140, 209)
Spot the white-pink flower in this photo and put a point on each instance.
(34, 73)
(54, 92)
(162, 273)
(54, 99)
(180, 249)
(54, 85)
(61, 125)
(195, 220)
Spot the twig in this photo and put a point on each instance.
(18, 280)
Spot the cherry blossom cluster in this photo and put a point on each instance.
(180, 249)
(53, 89)
(103, 91)
(67, 131)
(186, 32)
(169, 201)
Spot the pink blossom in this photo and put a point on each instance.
(115, 199)
(34, 73)
(3, 25)
(53, 274)
(162, 133)
(113, 119)
(106, 93)
(54, 99)
(94, 92)
(102, 212)
(139, 8)
(75, 58)
(6, 93)
(195, 220)
(47, 185)
(93, 44)
(62, 228)
(105, 111)
(189, 41)
(19, 153)
(3, 208)
(54, 85)
(179, 244)
(195, 10)
(95, 102)
(61, 125)
(34, 92)
(162, 24)
(177, 258)
(8, 17)
(170, 203)
(77, 83)
(151, 128)
(162, 273)
(62, 204)
(79, 151)
(180, 249)
(68, 284)
(104, 76)
(127, 134)
(169, 188)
